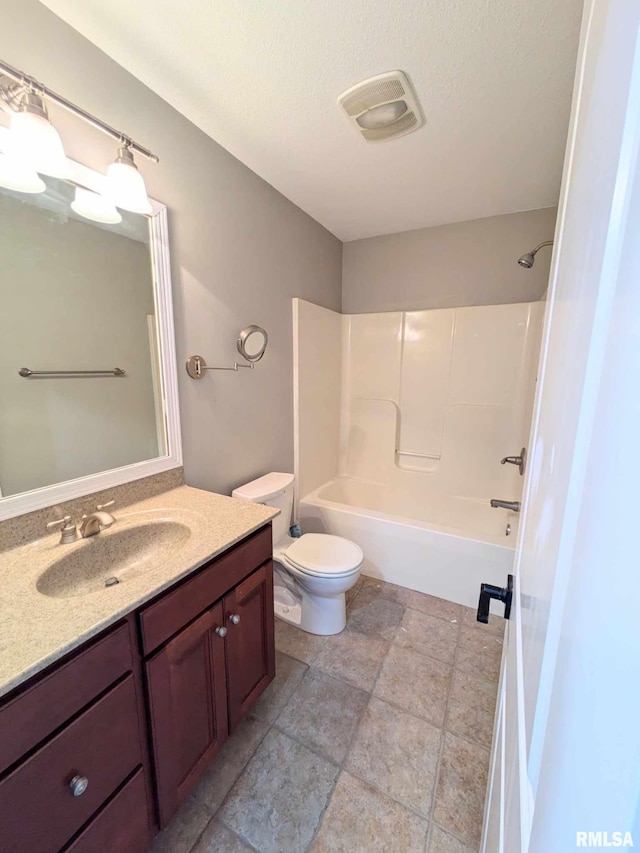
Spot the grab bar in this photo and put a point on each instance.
(25, 372)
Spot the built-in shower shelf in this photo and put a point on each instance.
(422, 463)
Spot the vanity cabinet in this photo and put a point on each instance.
(73, 753)
(187, 708)
(207, 675)
(248, 615)
(76, 771)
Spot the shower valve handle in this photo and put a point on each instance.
(520, 461)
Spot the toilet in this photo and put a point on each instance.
(311, 573)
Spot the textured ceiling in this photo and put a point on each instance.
(494, 78)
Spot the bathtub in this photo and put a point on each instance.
(434, 543)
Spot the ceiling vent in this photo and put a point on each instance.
(382, 107)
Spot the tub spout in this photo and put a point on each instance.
(514, 506)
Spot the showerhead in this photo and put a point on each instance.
(527, 260)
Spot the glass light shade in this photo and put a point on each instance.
(125, 188)
(33, 139)
(90, 205)
(15, 175)
(382, 115)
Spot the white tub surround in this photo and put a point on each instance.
(430, 402)
(317, 364)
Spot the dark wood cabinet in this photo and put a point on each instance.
(102, 747)
(82, 742)
(205, 679)
(122, 826)
(248, 617)
(187, 708)
(179, 673)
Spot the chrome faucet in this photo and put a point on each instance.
(514, 506)
(92, 524)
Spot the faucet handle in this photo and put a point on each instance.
(68, 532)
(61, 522)
(100, 507)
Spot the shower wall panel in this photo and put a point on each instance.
(439, 397)
(417, 402)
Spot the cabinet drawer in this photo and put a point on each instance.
(50, 702)
(122, 826)
(165, 617)
(38, 811)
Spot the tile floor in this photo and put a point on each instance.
(376, 739)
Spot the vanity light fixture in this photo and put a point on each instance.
(34, 141)
(94, 206)
(14, 175)
(125, 185)
(34, 146)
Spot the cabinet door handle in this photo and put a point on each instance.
(221, 631)
(78, 785)
(234, 619)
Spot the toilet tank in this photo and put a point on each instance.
(274, 490)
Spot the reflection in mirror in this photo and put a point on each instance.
(77, 295)
(252, 342)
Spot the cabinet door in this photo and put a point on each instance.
(187, 707)
(249, 619)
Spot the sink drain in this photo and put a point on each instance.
(111, 581)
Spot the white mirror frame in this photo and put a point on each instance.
(13, 505)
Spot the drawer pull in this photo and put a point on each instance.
(221, 631)
(78, 785)
(234, 619)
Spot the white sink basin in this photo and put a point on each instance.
(107, 559)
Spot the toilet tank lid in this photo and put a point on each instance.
(264, 488)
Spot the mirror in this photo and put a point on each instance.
(252, 342)
(86, 337)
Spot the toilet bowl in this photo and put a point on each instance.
(311, 573)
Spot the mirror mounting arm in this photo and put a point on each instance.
(197, 366)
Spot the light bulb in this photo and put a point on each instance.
(93, 206)
(15, 175)
(382, 115)
(124, 186)
(34, 140)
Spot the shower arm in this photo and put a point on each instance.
(541, 246)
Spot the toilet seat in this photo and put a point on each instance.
(323, 555)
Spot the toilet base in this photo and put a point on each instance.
(310, 613)
(288, 613)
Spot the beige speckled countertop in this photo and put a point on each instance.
(37, 629)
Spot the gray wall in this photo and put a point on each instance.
(240, 250)
(468, 263)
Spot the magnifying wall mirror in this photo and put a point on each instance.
(252, 342)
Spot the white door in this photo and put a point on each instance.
(566, 753)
